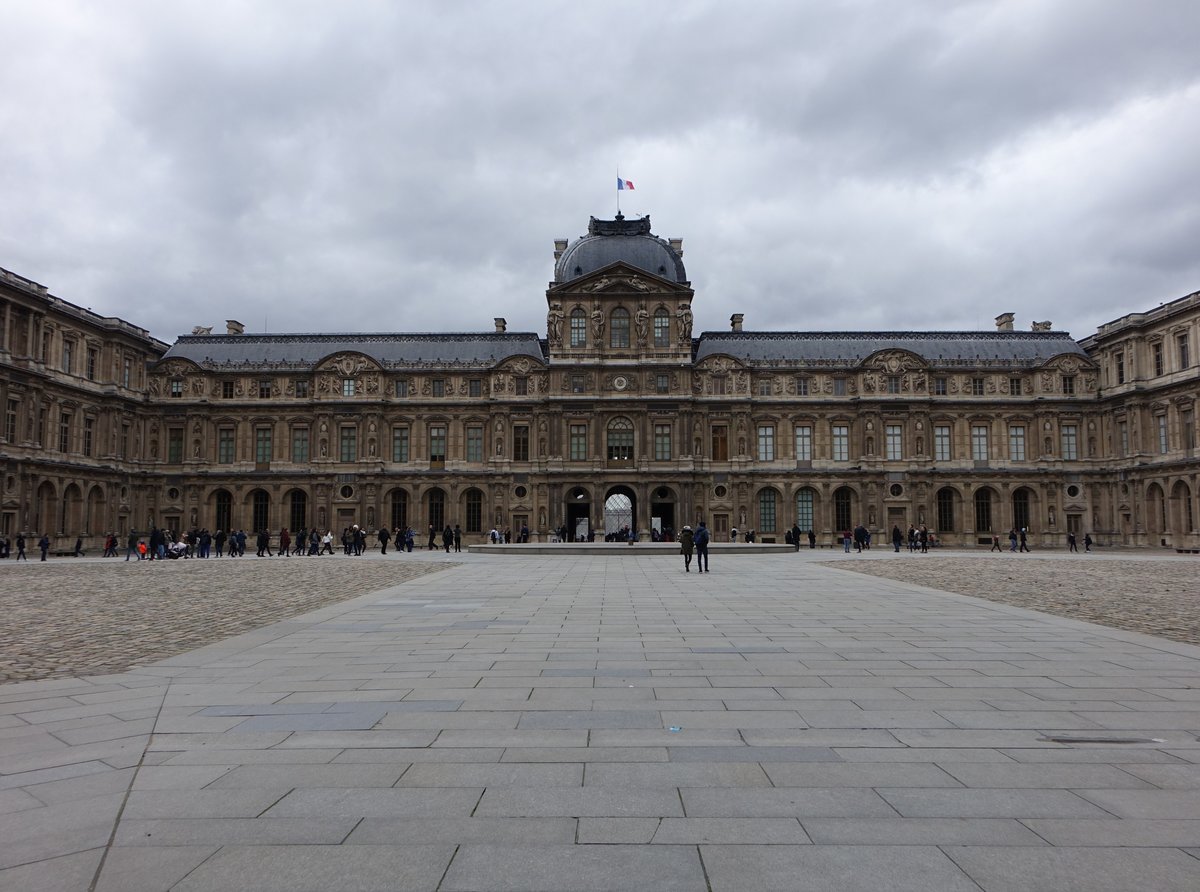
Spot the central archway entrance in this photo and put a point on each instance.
(579, 515)
(620, 510)
(662, 511)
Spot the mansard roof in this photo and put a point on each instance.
(620, 241)
(301, 351)
(961, 349)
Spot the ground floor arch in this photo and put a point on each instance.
(620, 512)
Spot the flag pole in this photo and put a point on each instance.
(618, 191)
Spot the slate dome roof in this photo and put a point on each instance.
(609, 241)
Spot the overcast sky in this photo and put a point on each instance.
(406, 166)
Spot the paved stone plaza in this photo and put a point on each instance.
(592, 723)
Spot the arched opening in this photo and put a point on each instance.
(662, 327)
(1156, 510)
(93, 515)
(223, 510)
(298, 510)
(618, 331)
(768, 510)
(806, 509)
(843, 509)
(1183, 518)
(947, 499)
(260, 509)
(578, 527)
(437, 509)
(620, 443)
(473, 505)
(619, 514)
(983, 510)
(399, 509)
(1021, 504)
(662, 512)
(70, 510)
(578, 327)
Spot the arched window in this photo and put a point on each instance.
(578, 328)
(804, 510)
(619, 331)
(662, 328)
(767, 503)
(474, 511)
(1020, 501)
(620, 440)
(224, 502)
(945, 510)
(298, 510)
(983, 510)
(842, 503)
(399, 509)
(261, 517)
(437, 509)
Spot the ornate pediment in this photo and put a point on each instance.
(894, 362)
(348, 364)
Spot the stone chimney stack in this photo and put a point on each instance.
(735, 322)
(676, 245)
(1004, 322)
(560, 245)
(501, 325)
(233, 327)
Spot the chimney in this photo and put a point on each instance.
(501, 325)
(233, 327)
(560, 245)
(735, 322)
(676, 245)
(1004, 322)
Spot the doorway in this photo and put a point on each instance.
(619, 512)
(578, 515)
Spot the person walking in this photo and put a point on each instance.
(1071, 546)
(131, 545)
(218, 542)
(897, 538)
(995, 544)
(796, 536)
(1024, 542)
(457, 538)
(21, 555)
(44, 545)
(383, 535)
(1012, 540)
(1087, 543)
(700, 539)
(687, 544)
(447, 538)
(812, 539)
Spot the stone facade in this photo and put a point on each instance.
(970, 433)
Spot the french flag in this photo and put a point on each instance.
(624, 184)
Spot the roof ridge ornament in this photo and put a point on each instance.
(619, 226)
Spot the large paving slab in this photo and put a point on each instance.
(577, 722)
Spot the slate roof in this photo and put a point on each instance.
(389, 350)
(1017, 349)
(609, 241)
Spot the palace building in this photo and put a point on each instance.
(618, 414)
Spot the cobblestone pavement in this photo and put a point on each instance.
(1158, 597)
(86, 617)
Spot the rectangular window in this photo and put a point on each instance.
(1187, 426)
(520, 442)
(1016, 442)
(977, 385)
(1070, 442)
(175, 445)
(262, 445)
(264, 390)
(579, 451)
(803, 442)
(400, 444)
(64, 432)
(766, 442)
(1120, 368)
(941, 442)
(1123, 437)
(1181, 345)
(804, 509)
(1014, 386)
(662, 384)
(841, 442)
(766, 511)
(41, 426)
(348, 387)
(439, 387)
(225, 446)
(939, 386)
(67, 355)
(662, 329)
(93, 362)
(895, 442)
(522, 386)
(10, 421)
(300, 445)
(1068, 385)
(475, 388)
(1163, 443)
(893, 383)
(578, 384)
(437, 445)
(662, 442)
(227, 390)
(126, 372)
(176, 389)
(348, 443)
(89, 430)
(124, 444)
(718, 386)
(764, 388)
(801, 387)
(839, 386)
(301, 389)
(979, 442)
(475, 443)
(578, 329)
(1156, 351)
(401, 387)
(720, 443)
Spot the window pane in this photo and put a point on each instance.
(895, 444)
(804, 509)
(579, 442)
(766, 443)
(521, 442)
(399, 444)
(349, 444)
(1070, 443)
(437, 443)
(1016, 443)
(619, 330)
(262, 444)
(979, 443)
(300, 445)
(766, 511)
(475, 444)
(841, 442)
(578, 328)
(804, 443)
(941, 442)
(662, 442)
(662, 328)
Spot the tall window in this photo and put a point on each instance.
(804, 443)
(264, 390)
(767, 500)
(176, 389)
(401, 387)
(893, 384)
(941, 442)
(1016, 442)
(299, 510)
(126, 372)
(225, 446)
(474, 511)
(262, 444)
(945, 509)
(662, 328)
(720, 443)
(475, 443)
(620, 440)
(842, 503)
(300, 451)
(1181, 345)
(348, 443)
(89, 429)
(10, 421)
(578, 328)
(520, 442)
(662, 384)
(93, 360)
(175, 445)
(977, 387)
(475, 387)
(939, 386)
(662, 442)
(619, 329)
(1161, 421)
(1020, 502)
(1156, 350)
(1120, 362)
(437, 444)
(841, 443)
(437, 509)
(224, 507)
(227, 390)
(979, 442)
(400, 444)
(839, 386)
(1070, 442)
(438, 387)
(261, 510)
(1187, 427)
(1122, 437)
(301, 387)
(579, 450)
(801, 387)
(804, 509)
(895, 442)
(983, 510)
(718, 386)
(1068, 385)
(766, 443)
(67, 355)
(399, 510)
(521, 384)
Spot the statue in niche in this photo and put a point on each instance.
(554, 323)
(641, 325)
(683, 317)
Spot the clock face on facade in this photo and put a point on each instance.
(620, 382)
